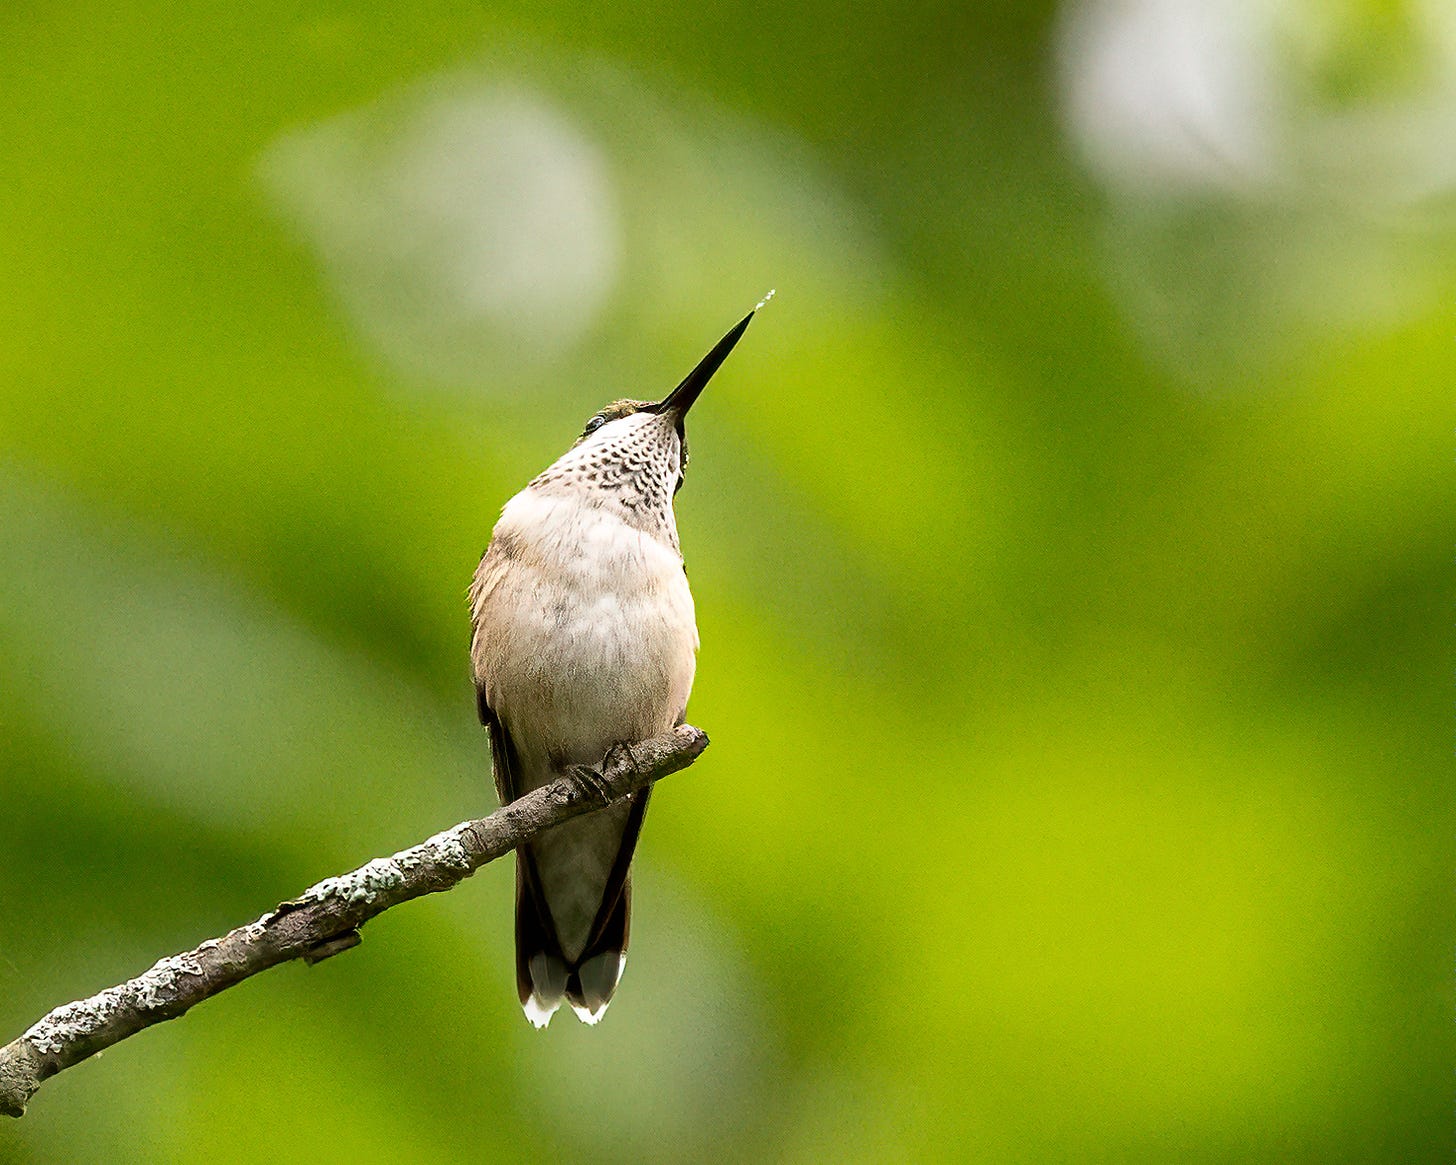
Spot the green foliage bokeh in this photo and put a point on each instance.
(1072, 564)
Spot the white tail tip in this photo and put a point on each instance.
(588, 1016)
(538, 1014)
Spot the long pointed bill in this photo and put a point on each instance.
(680, 399)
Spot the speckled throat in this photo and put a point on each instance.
(632, 469)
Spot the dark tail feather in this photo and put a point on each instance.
(592, 981)
(541, 970)
(544, 979)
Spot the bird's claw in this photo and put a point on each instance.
(592, 784)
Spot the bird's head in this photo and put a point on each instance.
(631, 437)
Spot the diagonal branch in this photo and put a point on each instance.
(325, 919)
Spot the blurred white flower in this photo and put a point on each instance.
(494, 228)
(1275, 171)
(468, 227)
(1168, 93)
(1251, 96)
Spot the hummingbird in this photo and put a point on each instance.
(584, 640)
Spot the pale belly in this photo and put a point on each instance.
(585, 671)
(588, 640)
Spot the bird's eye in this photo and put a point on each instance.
(594, 424)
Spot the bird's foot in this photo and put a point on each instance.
(595, 781)
(591, 784)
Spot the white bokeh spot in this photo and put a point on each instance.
(1276, 172)
(1194, 96)
(469, 228)
(1171, 93)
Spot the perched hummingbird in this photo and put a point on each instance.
(584, 638)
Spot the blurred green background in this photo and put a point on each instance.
(1071, 537)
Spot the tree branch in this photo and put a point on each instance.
(325, 919)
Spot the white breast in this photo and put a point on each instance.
(585, 632)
